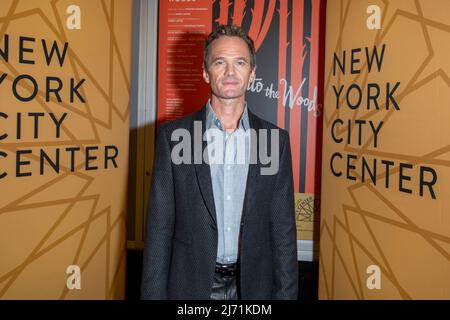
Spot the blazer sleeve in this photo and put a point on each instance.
(283, 228)
(160, 223)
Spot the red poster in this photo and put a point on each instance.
(288, 90)
(183, 27)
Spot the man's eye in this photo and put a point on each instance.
(218, 62)
(241, 63)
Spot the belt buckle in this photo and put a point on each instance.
(226, 271)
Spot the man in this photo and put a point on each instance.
(221, 229)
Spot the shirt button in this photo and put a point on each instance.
(228, 229)
(228, 167)
(228, 197)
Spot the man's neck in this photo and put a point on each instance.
(229, 111)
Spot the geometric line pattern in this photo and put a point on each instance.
(352, 246)
(88, 228)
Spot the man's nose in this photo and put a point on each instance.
(230, 69)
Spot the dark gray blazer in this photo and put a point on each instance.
(181, 243)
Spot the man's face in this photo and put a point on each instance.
(229, 69)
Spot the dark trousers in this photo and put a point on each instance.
(225, 283)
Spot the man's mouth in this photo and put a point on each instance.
(230, 83)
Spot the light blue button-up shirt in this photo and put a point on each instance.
(228, 156)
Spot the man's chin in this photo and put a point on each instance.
(231, 95)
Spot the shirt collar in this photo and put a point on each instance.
(212, 121)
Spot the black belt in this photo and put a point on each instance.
(226, 270)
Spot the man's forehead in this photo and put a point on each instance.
(233, 46)
(232, 42)
(225, 56)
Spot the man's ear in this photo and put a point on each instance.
(253, 74)
(205, 75)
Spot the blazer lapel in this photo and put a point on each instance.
(202, 169)
(254, 171)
